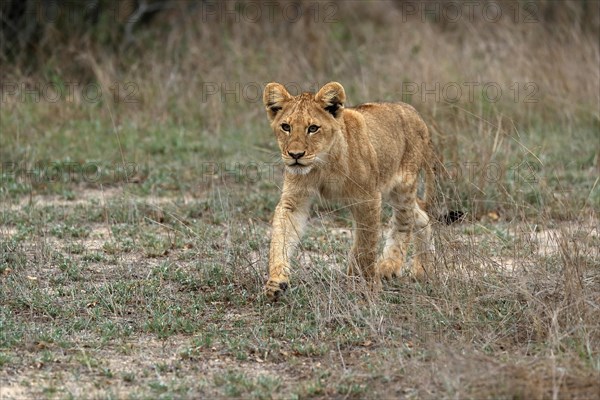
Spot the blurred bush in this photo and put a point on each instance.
(31, 31)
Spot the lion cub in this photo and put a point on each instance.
(354, 155)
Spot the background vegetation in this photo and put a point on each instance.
(139, 176)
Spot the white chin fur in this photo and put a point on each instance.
(298, 170)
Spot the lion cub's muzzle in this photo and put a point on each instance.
(297, 162)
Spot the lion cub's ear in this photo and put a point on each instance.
(274, 96)
(332, 96)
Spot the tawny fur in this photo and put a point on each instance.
(356, 155)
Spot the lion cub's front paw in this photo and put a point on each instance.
(389, 268)
(275, 288)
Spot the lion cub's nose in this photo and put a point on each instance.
(296, 155)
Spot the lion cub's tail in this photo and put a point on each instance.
(430, 165)
(430, 183)
(434, 166)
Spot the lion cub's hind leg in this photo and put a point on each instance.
(424, 251)
(402, 199)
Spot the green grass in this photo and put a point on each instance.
(90, 279)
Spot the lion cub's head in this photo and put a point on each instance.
(305, 125)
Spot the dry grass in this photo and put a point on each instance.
(146, 282)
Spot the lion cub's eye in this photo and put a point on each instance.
(286, 127)
(313, 128)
